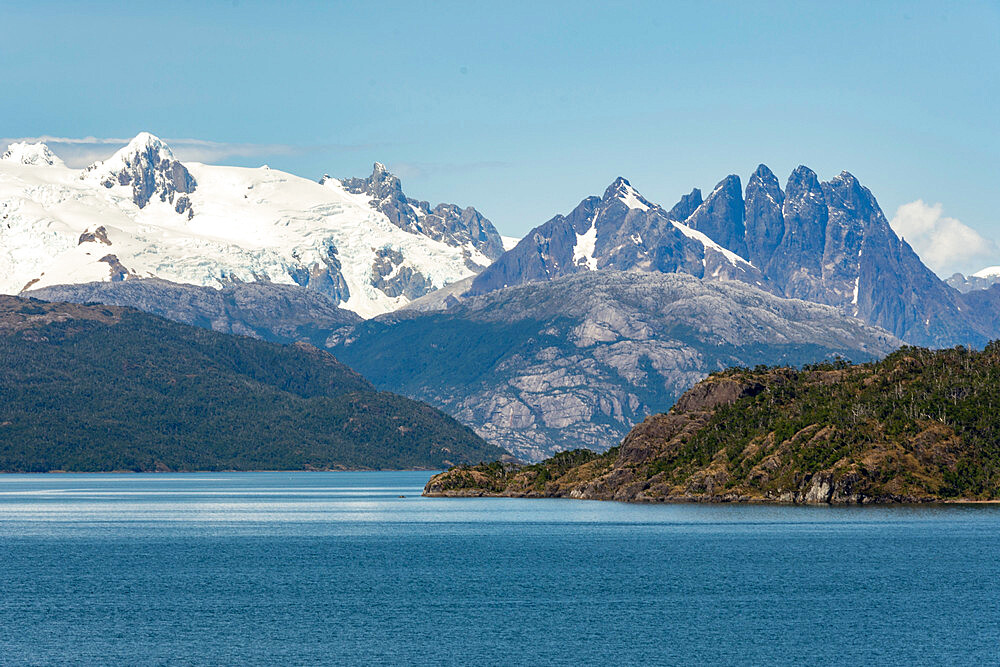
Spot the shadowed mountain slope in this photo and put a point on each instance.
(576, 361)
(101, 388)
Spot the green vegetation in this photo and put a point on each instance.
(99, 388)
(911, 392)
(918, 425)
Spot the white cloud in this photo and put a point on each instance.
(945, 244)
(82, 151)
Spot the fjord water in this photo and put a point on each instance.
(340, 568)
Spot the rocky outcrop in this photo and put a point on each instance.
(119, 271)
(394, 278)
(99, 235)
(828, 434)
(277, 313)
(324, 276)
(576, 361)
(448, 223)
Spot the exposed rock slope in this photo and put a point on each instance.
(917, 426)
(576, 361)
(278, 313)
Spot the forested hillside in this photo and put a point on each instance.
(919, 425)
(98, 388)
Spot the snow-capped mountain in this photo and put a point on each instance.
(825, 242)
(31, 154)
(143, 213)
(466, 227)
(622, 231)
(980, 280)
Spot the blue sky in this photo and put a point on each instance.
(522, 109)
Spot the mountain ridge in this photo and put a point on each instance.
(827, 242)
(577, 360)
(143, 213)
(104, 388)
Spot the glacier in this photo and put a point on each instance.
(142, 213)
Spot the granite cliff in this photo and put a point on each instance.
(826, 242)
(576, 361)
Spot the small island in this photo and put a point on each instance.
(918, 426)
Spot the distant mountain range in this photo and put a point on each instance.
(592, 321)
(824, 242)
(143, 213)
(372, 249)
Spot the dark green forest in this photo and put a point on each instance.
(99, 388)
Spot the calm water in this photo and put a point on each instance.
(337, 568)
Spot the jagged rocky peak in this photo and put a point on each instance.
(796, 265)
(149, 167)
(763, 220)
(688, 204)
(844, 190)
(34, 154)
(720, 216)
(461, 227)
(381, 184)
(621, 190)
(803, 183)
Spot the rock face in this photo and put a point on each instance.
(574, 362)
(826, 242)
(277, 313)
(619, 231)
(148, 166)
(763, 219)
(448, 223)
(831, 433)
(720, 216)
(688, 204)
(796, 265)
